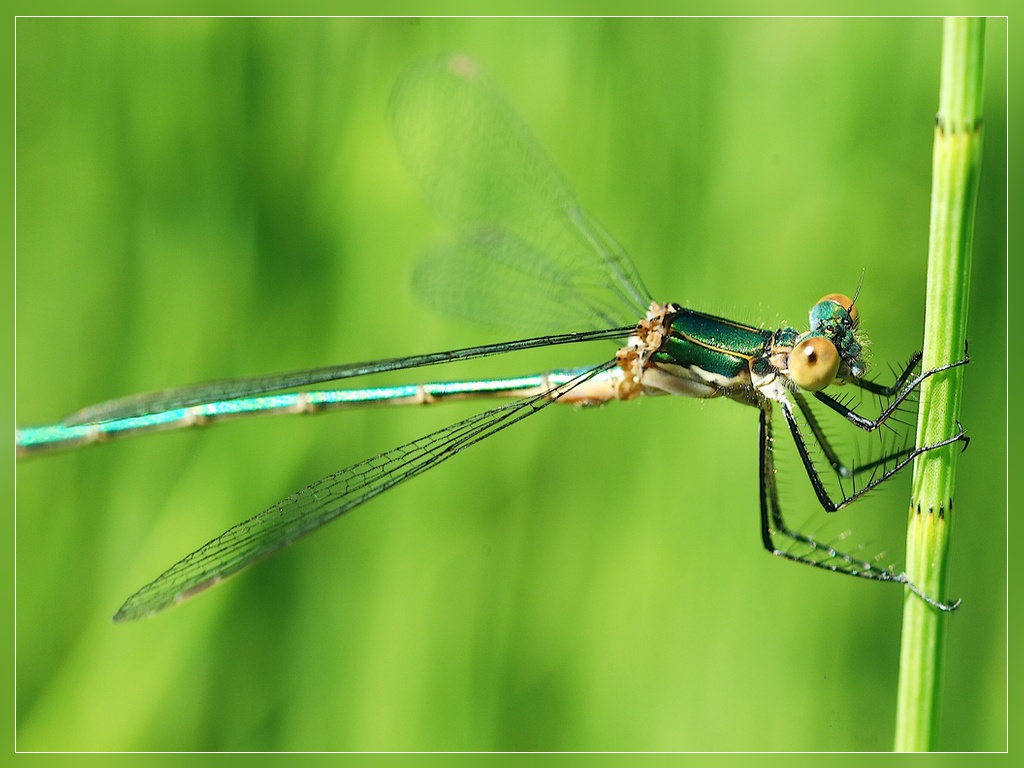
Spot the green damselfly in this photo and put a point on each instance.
(526, 250)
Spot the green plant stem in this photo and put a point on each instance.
(956, 161)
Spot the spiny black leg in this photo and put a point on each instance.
(902, 458)
(889, 390)
(769, 492)
(773, 525)
(869, 425)
(843, 471)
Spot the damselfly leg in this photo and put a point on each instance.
(853, 479)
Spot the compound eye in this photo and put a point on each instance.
(813, 363)
(846, 303)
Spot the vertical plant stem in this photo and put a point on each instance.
(956, 161)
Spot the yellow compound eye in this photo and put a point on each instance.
(813, 363)
(845, 302)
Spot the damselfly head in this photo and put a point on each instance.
(835, 317)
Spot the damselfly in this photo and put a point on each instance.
(524, 241)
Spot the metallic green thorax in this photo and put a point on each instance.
(712, 344)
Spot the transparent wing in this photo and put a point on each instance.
(524, 254)
(325, 500)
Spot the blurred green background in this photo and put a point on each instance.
(200, 199)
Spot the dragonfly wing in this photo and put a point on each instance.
(325, 500)
(491, 276)
(482, 170)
